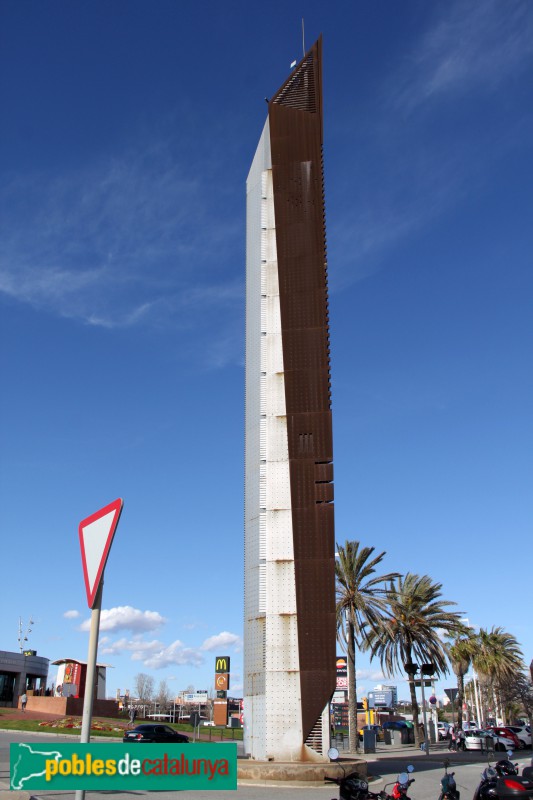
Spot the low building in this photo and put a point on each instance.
(19, 673)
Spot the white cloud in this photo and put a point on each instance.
(137, 646)
(223, 639)
(154, 654)
(176, 653)
(73, 614)
(369, 675)
(127, 618)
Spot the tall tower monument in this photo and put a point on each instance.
(289, 625)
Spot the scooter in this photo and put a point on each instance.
(351, 787)
(355, 787)
(502, 782)
(448, 787)
(403, 782)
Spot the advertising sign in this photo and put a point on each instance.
(58, 766)
(221, 681)
(222, 664)
(195, 697)
(380, 699)
(342, 673)
(220, 712)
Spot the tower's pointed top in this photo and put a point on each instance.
(302, 89)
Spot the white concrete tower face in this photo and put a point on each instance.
(272, 706)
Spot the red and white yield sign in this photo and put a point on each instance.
(96, 534)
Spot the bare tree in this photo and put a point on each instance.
(144, 687)
(517, 693)
(163, 695)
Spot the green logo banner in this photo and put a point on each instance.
(113, 766)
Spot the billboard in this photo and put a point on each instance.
(342, 673)
(384, 699)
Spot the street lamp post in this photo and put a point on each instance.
(426, 673)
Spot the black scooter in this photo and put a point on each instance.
(448, 786)
(502, 782)
(354, 786)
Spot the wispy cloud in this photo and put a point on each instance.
(471, 45)
(73, 614)
(422, 152)
(117, 243)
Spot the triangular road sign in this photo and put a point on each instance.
(96, 534)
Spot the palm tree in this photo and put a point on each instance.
(497, 658)
(417, 616)
(361, 604)
(460, 650)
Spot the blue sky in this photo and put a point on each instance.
(128, 131)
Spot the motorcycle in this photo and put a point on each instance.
(403, 782)
(502, 782)
(355, 787)
(448, 786)
(351, 787)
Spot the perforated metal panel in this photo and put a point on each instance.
(295, 117)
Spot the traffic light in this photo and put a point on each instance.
(365, 703)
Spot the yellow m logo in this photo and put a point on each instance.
(222, 664)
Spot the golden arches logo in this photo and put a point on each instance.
(222, 664)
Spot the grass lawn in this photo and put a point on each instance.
(106, 727)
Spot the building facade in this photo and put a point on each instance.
(21, 672)
(289, 626)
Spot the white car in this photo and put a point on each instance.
(486, 740)
(523, 732)
(442, 729)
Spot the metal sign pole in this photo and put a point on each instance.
(88, 699)
(426, 732)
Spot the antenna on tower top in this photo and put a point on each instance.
(303, 36)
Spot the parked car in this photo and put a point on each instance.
(507, 732)
(475, 740)
(486, 740)
(523, 732)
(394, 725)
(155, 733)
(442, 729)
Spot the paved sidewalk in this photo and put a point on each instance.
(408, 753)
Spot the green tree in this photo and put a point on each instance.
(417, 614)
(361, 606)
(460, 650)
(497, 658)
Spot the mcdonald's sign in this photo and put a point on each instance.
(222, 680)
(222, 664)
